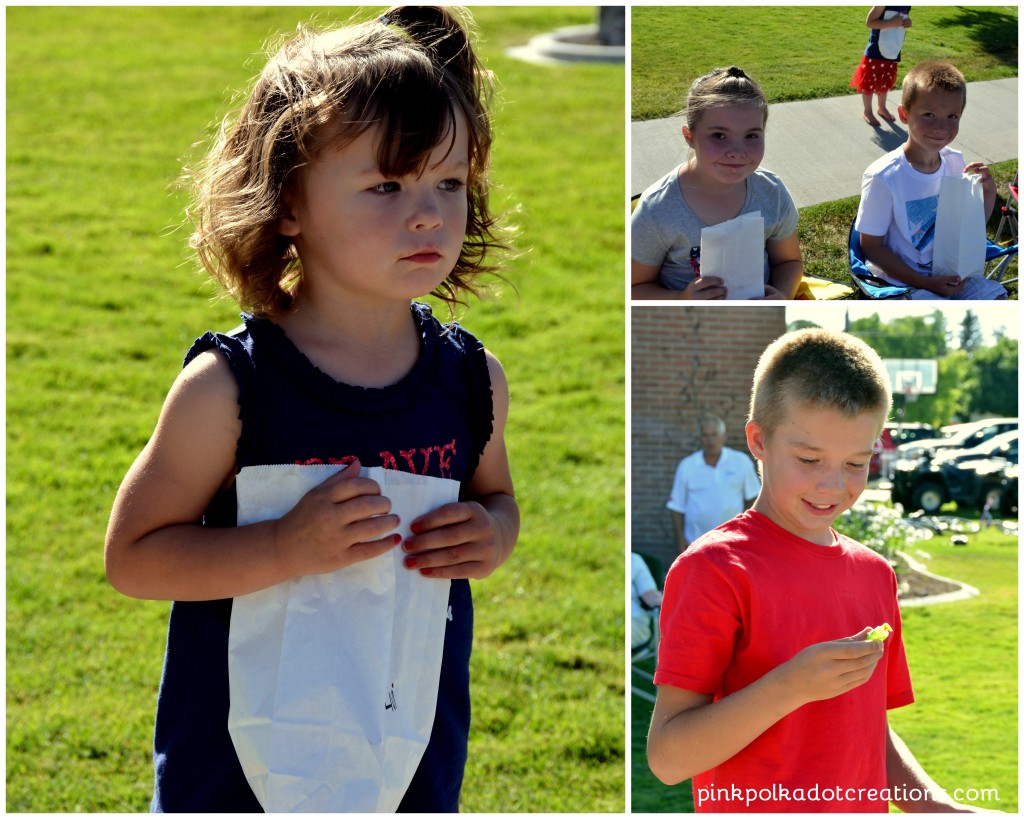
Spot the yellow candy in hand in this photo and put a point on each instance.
(880, 633)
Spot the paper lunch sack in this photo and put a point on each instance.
(734, 251)
(333, 677)
(959, 247)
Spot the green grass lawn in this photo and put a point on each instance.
(801, 52)
(963, 661)
(103, 105)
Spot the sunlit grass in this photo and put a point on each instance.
(822, 47)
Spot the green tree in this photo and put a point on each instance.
(956, 385)
(905, 336)
(971, 337)
(995, 369)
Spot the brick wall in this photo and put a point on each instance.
(686, 361)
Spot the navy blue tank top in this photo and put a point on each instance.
(435, 422)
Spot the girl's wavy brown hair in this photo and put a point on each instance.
(406, 73)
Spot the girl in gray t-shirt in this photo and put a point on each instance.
(725, 114)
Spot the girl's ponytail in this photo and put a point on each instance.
(723, 86)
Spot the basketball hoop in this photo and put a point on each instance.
(912, 377)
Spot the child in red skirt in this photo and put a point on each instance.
(876, 73)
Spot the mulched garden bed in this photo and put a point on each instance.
(915, 584)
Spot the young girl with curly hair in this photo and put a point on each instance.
(352, 181)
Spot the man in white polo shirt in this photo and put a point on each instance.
(711, 486)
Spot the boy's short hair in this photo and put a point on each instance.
(820, 369)
(932, 75)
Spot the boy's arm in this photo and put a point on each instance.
(906, 777)
(472, 538)
(155, 546)
(690, 734)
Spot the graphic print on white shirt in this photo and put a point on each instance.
(921, 218)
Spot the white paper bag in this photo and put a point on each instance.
(959, 247)
(333, 677)
(734, 251)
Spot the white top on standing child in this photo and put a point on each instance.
(726, 113)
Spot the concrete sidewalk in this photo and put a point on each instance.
(820, 148)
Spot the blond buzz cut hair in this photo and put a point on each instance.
(932, 75)
(818, 369)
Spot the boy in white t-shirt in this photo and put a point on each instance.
(900, 191)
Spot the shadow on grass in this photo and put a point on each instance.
(994, 30)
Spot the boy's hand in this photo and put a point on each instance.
(944, 285)
(825, 670)
(457, 540)
(981, 169)
(988, 184)
(342, 521)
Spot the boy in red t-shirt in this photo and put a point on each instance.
(769, 694)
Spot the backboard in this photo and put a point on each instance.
(914, 376)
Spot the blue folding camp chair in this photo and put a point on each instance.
(997, 261)
(868, 285)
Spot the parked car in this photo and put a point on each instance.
(956, 436)
(968, 477)
(893, 435)
(1003, 445)
(1008, 507)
